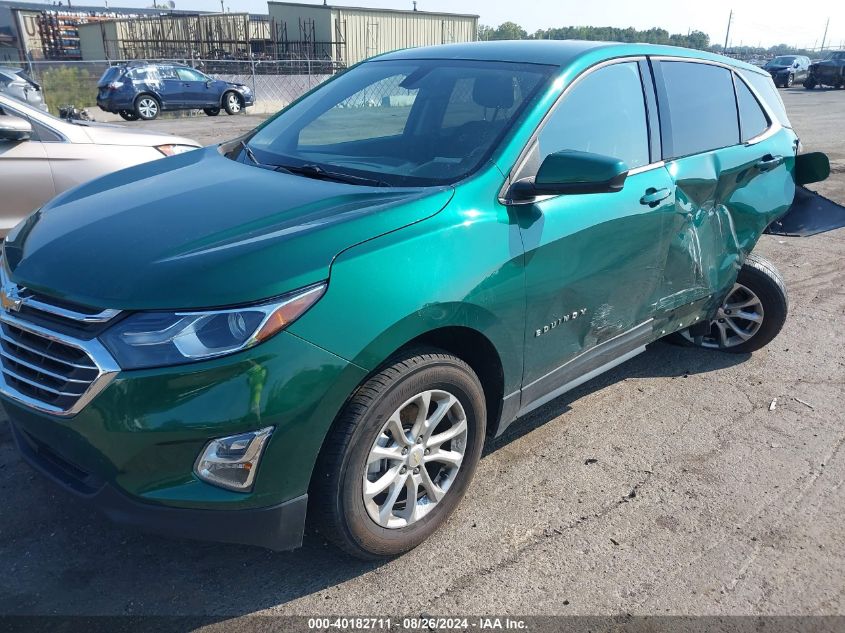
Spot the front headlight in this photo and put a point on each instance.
(173, 150)
(155, 339)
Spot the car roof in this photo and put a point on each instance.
(554, 52)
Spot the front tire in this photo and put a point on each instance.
(809, 84)
(400, 456)
(232, 103)
(751, 315)
(789, 81)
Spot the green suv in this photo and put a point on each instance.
(325, 318)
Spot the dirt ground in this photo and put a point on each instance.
(702, 499)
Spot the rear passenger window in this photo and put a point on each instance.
(765, 87)
(702, 108)
(604, 113)
(752, 120)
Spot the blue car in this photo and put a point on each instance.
(141, 90)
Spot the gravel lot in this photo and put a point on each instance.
(702, 500)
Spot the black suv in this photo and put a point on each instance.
(828, 72)
(142, 90)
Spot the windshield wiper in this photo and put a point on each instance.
(315, 171)
(254, 160)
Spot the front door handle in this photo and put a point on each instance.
(768, 162)
(654, 196)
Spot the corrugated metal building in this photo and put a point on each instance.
(351, 34)
(44, 31)
(225, 36)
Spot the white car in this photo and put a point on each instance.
(41, 155)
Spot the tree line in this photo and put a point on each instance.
(693, 39)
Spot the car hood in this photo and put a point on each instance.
(105, 134)
(200, 230)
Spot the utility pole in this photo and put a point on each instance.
(824, 37)
(728, 32)
(222, 10)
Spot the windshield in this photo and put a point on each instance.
(785, 60)
(840, 55)
(403, 122)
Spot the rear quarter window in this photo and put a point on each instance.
(702, 108)
(765, 87)
(752, 119)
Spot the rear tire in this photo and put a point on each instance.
(752, 314)
(211, 111)
(147, 107)
(809, 84)
(387, 445)
(128, 115)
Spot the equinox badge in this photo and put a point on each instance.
(566, 317)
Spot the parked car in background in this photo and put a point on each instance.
(16, 83)
(329, 315)
(41, 155)
(787, 69)
(141, 90)
(828, 72)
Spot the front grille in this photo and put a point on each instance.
(48, 371)
(44, 369)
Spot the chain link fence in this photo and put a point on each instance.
(276, 83)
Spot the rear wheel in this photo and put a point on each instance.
(751, 315)
(232, 103)
(147, 107)
(211, 111)
(400, 456)
(128, 115)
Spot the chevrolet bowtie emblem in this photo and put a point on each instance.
(10, 301)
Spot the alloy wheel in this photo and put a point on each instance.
(148, 108)
(737, 320)
(234, 103)
(415, 459)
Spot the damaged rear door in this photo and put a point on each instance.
(731, 166)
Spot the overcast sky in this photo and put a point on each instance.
(766, 22)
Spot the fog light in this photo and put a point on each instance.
(231, 462)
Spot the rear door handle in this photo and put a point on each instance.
(653, 196)
(768, 162)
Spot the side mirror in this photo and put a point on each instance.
(571, 171)
(14, 128)
(811, 167)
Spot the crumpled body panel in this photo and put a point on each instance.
(723, 202)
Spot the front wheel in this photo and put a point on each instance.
(400, 456)
(232, 103)
(809, 84)
(752, 313)
(789, 81)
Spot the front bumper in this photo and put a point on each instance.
(132, 449)
(278, 527)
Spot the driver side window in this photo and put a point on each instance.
(604, 113)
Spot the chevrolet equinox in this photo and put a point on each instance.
(325, 318)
